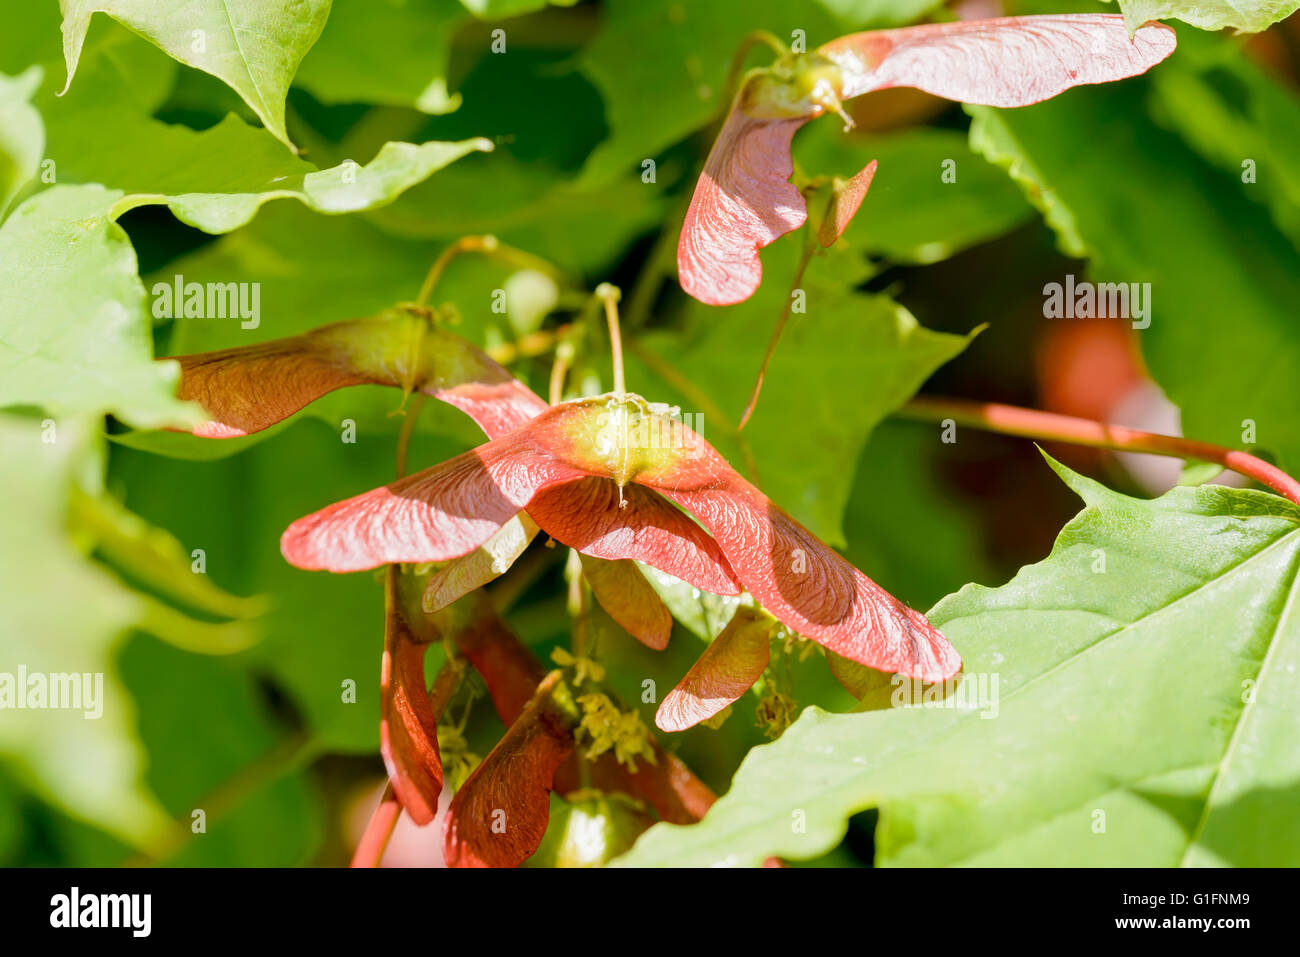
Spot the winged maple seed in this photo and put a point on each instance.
(593, 474)
(248, 389)
(586, 486)
(726, 670)
(744, 200)
(408, 723)
(535, 756)
(251, 388)
(515, 780)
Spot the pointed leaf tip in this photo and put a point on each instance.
(254, 47)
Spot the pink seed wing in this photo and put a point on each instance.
(496, 407)
(1009, 61)
(627, 597)
(249, 389)
(800, 579)
(726, 670)
(743, 202)
(814, 591)
(586, 515)
(486, 563)
(845, 205)
(512, 787)
(439, 514)
(408, 728)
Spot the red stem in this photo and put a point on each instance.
(371, 847)
(1031, 423)
(809, 248)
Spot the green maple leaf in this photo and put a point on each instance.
(1244, 16)
(22, 137)
(1144, 712)
(254, 46)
